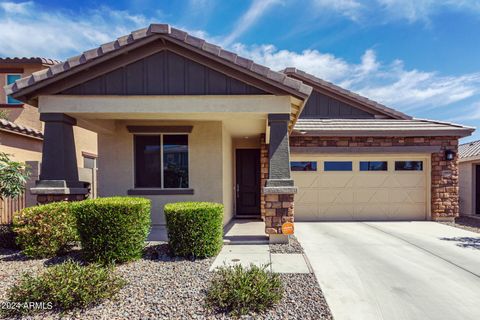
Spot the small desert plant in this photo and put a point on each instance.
(194, 228)
(4, 114)
(238, 290)
(13, 176)
(45, 231)
(63, 287)
(113, 230)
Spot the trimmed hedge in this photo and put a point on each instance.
(195, 229)
(113, 230)
(63, 287)
(45, 231)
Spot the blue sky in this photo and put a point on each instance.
(419, 56)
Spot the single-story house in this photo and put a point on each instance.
(181, 119)
(469, 178)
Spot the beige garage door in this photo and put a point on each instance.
(361, 187)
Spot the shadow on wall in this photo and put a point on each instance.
(465, 242)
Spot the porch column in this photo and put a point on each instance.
(59, 171)
(279, 189)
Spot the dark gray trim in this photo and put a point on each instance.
(160, 129)
(155, 192)
(393, 149)
(58, 117)
(278, 117)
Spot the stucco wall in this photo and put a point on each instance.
(85, 141)
(227, 175)
(208, 157)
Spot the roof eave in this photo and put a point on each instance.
(458, 133)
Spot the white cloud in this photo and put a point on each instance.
(392, 84)
(257, 9)
(349, 8)
(57, 34)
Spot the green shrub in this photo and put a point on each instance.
(7, 237)
(239, 290)
(45, 231)
(113, 230)
(194, 228)
(63, 287)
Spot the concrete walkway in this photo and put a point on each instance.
(395, 270)
(260, 255)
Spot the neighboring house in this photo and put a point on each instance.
(21, 131)
(180, 119)
(469, 178)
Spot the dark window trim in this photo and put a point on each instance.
(161, 162)
(158, 191)
(90, 155)
(11, 70)
(11, 105)
(160, 129)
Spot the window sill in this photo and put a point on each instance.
(155, 192)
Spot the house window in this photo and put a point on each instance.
(161, 161)
(303, 165)
(337, 166)
(373, 166)
(11, 78)
(408, 165)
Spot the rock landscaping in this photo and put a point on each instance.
(163, 287)
(466, 223)
(292, 247)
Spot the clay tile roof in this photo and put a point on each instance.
(383, 127)
(470, 149)
(16, 128)
(41, 60)
(292, 85)
(307, 77)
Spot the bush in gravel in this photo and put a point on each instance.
(7, 237)
(113, 230)
(194, 228)
(63, 287)
(46, 230)
(238, 290)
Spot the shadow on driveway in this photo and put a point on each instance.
(465, 242)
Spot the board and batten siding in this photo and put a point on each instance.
(321, 106)
(164, 73)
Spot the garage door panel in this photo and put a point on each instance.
(361, 195)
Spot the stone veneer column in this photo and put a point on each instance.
(59, 171)
(278, 189)
(263, 173)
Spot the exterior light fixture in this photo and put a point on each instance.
(303, 132)
(449, 155)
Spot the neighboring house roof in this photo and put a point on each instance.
(6, 125)
(469, 150)
(354, 97)
(379, 127)
(89, 58)
(45, 61)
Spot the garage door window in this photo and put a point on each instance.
(303, 165)
(408, 165)
(373, 166)
(337, 166)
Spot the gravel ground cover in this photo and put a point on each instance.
(467, 223)
(292, 247)
(161, 287)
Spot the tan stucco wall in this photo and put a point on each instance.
(209, 155)
(85, 141)
(227, 175)
(466, 181)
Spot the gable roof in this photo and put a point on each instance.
(354, 98)
(470, 149)
(25, 88)
(9, 126)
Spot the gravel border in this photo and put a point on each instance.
(466, 223)
(292, 247)
(162, 287)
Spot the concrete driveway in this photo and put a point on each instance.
(395, 270)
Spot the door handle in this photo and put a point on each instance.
(238, 190)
